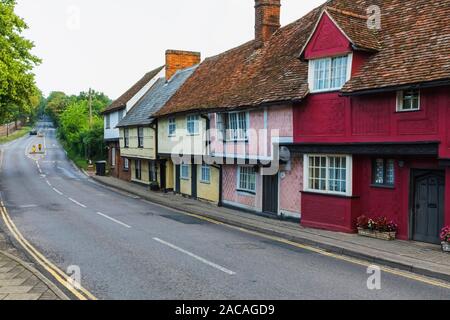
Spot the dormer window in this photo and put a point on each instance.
(408, 100)
(329, 74)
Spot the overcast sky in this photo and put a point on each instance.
(109, 44)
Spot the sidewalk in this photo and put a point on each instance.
(420, 258)
(20, 281)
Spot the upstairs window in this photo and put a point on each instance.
(237, 126)
(172, 127)
(108, 121)
(126, 138)
(408, 100)
(383, 172)
(140, 137)
(193, 125)
(329, 74)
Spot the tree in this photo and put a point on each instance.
(17, 82)
(56, 104)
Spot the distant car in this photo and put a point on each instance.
(33, 132)
(40, 134)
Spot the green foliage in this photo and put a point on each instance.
(80, 137)
(17, 83)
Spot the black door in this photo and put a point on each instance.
(177, 179)
(428, 205)
(270, 194)
(194, 181)
(163, 175)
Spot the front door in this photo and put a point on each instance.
(270, 194)
(163, 175)
(428, 205)
(177, 179)
(194, 181)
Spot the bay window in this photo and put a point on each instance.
(328, 174)
(329, 74)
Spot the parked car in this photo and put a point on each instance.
(33, 132)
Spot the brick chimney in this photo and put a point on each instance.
(267, 19)
(178, 60)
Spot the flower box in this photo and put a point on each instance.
(445, 246)
(377, 234)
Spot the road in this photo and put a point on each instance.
(127, 248)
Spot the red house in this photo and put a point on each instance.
(374, 128)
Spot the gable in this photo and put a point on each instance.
(327, 40)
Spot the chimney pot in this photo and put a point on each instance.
(179, 60)
(267, 20)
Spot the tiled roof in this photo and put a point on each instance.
(415, 38)
(155, 98)
(413, 46)
(121, 102)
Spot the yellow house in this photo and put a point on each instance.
(138, 138)
(182, 142)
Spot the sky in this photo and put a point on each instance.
(110, 44)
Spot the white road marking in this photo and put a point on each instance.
(58, 192)
(114, 220)
(77, 203)
(28, 206)
(48, 182)
(209, 263)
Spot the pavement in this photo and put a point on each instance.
(421, 258)
(124, 246)
(19, 280)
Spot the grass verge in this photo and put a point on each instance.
(15, 135)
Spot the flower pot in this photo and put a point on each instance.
(388, 236)
(445, 246)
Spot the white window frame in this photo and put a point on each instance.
(172, 127)
(248, 190)
(182, 176)
(203, 169)
(349, 174)
(141, 137)
(126, 164)
(311, 71)
(400, 96)
(195, 119)
(237, 134)
(108, 121)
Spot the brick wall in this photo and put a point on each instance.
(267, 19)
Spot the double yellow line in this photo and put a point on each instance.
(81, 293)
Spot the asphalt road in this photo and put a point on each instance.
(127, 248)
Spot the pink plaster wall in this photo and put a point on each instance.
(291, 186)
(231, 194)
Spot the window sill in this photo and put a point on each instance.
(382, 186)
(193, 134)
(205, 182)
(125, 170)
(326, 194)
(184, 179)
(246, 192)
(325, 91)
(407, 111)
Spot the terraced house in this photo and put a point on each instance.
(373, 124)
(119, 166)
(241, 103)
(138, 131)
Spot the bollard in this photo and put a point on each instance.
(40, 147)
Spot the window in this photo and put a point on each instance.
(185, 172)
(172, 127)
(138, 169)
(329, 73)
(113, 157)
(193, 125)
(237, 126)
(108, 121)
(140, 137)
(121, 114)
(126, 138)
(383, 172)
(152, 171)
(247, 179)
(328, 174)
(126, 164)
(206, 174)
(408, 100)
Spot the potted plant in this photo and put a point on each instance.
(379, 228)
(445, 238)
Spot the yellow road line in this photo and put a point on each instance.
(360, 262)
(59, 275)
